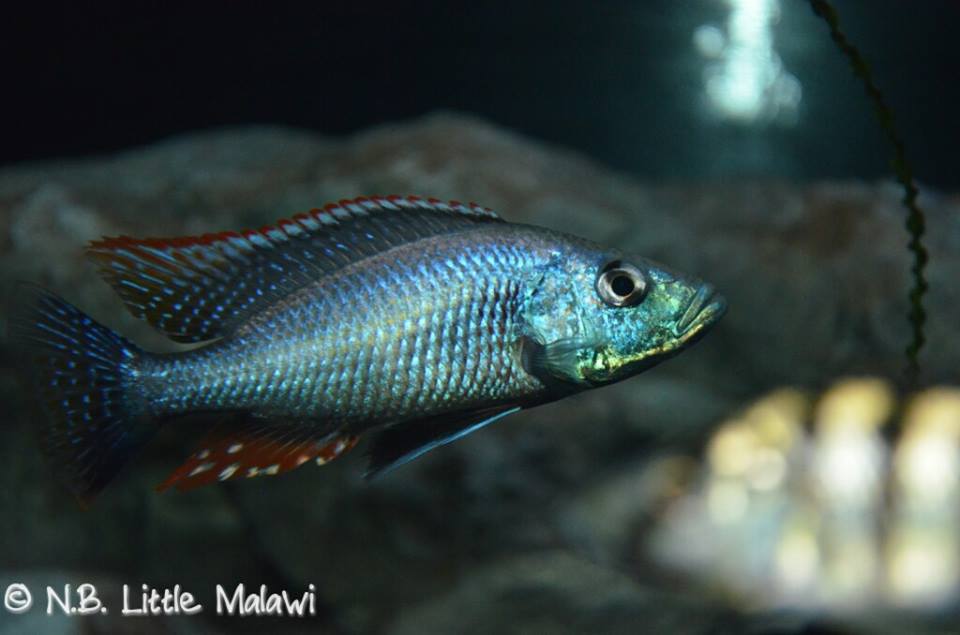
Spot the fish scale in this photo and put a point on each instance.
(354, 386)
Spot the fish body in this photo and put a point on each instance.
(415, 320)
(411, 332)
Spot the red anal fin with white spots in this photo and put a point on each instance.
(252, 453)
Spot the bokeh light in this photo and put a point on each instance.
(805, 504)
(745, 81)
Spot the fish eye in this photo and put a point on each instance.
(621, 284)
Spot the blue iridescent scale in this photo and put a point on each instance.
(421, 329)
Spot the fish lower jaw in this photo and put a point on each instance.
(607, 366)
(614, 367)
(598, 366)
(704, 320)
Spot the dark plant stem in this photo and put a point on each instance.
(915, 223)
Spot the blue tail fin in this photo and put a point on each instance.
(82, 372)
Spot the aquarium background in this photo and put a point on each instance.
(619, 81)
(782, 476)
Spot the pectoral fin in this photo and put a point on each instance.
(398, 445)
(558, 360)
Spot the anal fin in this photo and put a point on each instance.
(255, 450)
(404, 442)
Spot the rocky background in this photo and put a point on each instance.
(528, 527)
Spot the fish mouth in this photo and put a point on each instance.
(704, 310)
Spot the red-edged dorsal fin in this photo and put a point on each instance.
(247, 454)
(198, 288)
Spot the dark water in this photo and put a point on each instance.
(618, 80)
(743, 487)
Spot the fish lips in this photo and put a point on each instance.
(705, 309)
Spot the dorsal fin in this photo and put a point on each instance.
(199, 288)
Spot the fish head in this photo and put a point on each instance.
(642, 313)
(623, 315)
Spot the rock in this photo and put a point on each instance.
(555, 592)
(603, 520)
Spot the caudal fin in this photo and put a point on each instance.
(82, 372)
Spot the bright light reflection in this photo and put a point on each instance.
(850, 454)
(777, 418)
(798, 560)
(852, 565)
(927, 459)
(923, 567)
(727, 501)
(767, 470)
(816, 516)
(748, 83)
(854, 406)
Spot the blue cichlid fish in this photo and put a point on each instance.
(413, 319)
